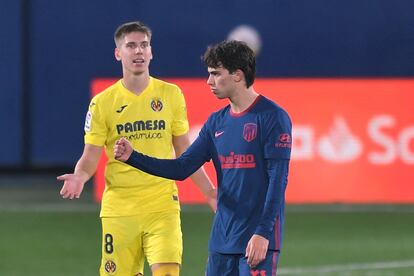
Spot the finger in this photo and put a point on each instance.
(121, 141)
(119, 149)
(62, 177)
(125, 143)
(247, 250)
(250, 258)
(65, 192)
(117, 154)
(259, 257)
(254, 260)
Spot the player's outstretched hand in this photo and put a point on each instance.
(72, 186)
(122, 149)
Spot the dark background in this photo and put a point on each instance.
(50, 50)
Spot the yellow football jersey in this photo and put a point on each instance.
(148, 121)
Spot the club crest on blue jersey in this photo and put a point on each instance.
(156, 104)
(249, 132)
(110, 267)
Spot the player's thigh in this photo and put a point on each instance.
(267, 267)
(222, 264)
(121, 246)
(170, 269)
(162, 240)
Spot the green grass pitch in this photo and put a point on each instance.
(318, 241)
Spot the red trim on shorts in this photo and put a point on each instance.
(274, 263)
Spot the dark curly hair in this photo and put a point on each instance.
(232, 55)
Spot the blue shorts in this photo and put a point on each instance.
(236, 264)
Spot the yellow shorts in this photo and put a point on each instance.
(127, 240)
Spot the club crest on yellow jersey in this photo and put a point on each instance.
(110, 267)
(156, 104)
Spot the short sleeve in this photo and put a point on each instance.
(180, 122)
(277, 135)
(95, 127)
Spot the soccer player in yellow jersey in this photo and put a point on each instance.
(140, 212)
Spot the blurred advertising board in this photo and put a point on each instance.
(353, 139)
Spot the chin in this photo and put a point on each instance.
(138, 72)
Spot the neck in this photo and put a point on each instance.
(136, 83)
(243, 99)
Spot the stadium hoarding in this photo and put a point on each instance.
(353, 139)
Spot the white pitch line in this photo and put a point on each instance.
(343, 268)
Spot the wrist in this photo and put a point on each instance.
(82, 176)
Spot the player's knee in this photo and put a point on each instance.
(166, 270)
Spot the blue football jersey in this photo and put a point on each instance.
(242, 143)
(251, 152)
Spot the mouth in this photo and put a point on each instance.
(138, 61)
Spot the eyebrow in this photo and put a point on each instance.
(213, 71)
(140, 42)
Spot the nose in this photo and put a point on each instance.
(210, 80)
(138, 50)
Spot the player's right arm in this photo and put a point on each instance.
(84, 170)
(177, 169)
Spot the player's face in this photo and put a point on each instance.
(134, 51)
(221, 82)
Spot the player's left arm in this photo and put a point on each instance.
(277, 143)
(278, 173)
(200, 178)
(257, 247)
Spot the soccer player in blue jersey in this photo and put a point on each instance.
(249, 142)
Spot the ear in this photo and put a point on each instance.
(117, 55)
(238, 75)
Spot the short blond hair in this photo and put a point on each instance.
(130, 27)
